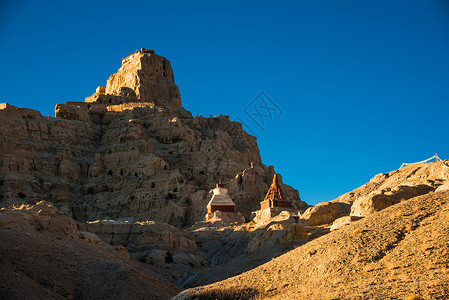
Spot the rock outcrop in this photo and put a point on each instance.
(43, 257)
(400, 252)
(325, 213)
(383, 190)
(130, 152)
(234, 248)
(343, 221)
(280, 229)
(391, 188)
(169, 248)
(147, 77)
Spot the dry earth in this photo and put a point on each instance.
(42, 258)
(401, 252)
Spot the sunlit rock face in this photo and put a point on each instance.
(130, 152)
(382, 191)
(150, 76)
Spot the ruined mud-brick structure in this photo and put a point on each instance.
(275, 197)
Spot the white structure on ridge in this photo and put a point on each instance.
(220, 202)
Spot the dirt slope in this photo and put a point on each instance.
(41, 258)
(401, 252)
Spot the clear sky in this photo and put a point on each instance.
(356, 87)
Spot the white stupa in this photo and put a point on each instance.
(220, 200)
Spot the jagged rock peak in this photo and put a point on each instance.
(143, 77)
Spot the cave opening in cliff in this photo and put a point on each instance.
(168, 258)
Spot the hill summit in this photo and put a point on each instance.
(131, 152)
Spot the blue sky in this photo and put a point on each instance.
(363, 86)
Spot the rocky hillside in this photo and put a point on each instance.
(382, 191)
(401, 252)
(43, 256)
(126, 174)
(130, 152)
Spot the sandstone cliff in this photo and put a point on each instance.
(130, 152)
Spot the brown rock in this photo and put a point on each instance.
(325, 213)
(73, 112)
(155, 243)
(343, 221)
(401, 249)
(130, 152)
(443, 187)
(148, 75)
(391, 188)
(38, 250)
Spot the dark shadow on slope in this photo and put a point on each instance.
(231, 293)
(234, 258)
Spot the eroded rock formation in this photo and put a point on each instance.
(172, 250)
(130, 152)
(382, 191)
(43, 257)
(400, 252)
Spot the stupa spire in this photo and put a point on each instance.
(275, 196)
(275, 192)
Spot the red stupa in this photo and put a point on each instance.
(275, 197)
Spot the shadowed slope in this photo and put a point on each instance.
(41, 258)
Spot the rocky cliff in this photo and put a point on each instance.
(130, 152)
